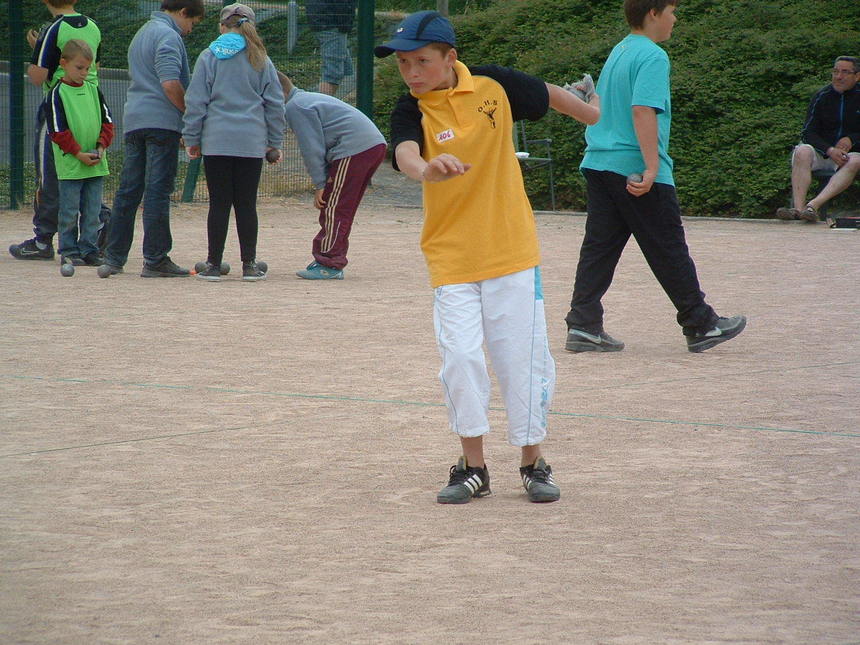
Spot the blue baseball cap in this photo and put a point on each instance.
(417, 30)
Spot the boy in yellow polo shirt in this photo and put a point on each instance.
(454, 133)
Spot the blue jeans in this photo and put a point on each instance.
(79, 237)
(335, 59)
(148, 173)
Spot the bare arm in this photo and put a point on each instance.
(440, 168)
(563, 101)
(36, 74)
(175, 93)
(645, 124)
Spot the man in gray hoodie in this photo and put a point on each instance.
(159, 70)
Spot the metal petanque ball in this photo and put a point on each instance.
(262, 266)
(104, 271)
(272, 156)
(634, 178)
(225, 268)
(67, 270)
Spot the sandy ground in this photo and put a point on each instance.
(191, 462)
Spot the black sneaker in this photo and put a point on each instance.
(254, 270)
(537, 480)
(74, 260)
(211, 273)
(27, 250)
(94, 260)
(726, 329)
(583, 341)
(164, 269)
(108, 269)
(465, 483)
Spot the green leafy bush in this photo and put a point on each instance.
(743, 73)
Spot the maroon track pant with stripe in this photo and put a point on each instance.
(347, 180)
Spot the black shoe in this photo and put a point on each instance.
(254, 270)
(74, 260)
(108, 269)
(27, 250)
(583, 341)
(537, 480)
(94, 260)
(212, 273)
(725, 329)
(164, 269)
(464, 483)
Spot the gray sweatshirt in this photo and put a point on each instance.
(231, 109)
(327, 129)
(156, 54)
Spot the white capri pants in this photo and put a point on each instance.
(506, 313)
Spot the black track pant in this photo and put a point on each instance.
(232, 182)
(654, 220)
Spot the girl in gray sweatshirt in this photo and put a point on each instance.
(234, 117)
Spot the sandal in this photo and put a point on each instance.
(809, 214)
(787, 213)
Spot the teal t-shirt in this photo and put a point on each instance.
(636, 73)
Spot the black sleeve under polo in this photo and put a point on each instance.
(405, 125)
(527, 94)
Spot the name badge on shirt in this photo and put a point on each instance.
(445, 135)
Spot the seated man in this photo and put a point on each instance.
(830, 141)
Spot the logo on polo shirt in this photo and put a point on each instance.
(444, 136)
(489, 109)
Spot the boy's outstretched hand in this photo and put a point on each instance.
(583, 88)
(445, 166)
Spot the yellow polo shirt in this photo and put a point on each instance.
(479, 225)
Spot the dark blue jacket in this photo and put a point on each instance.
(830, 117)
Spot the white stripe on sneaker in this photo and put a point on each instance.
(527, 480)
(473, 483)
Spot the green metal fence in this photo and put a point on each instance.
(290, 30)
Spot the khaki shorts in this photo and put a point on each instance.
(819, 162)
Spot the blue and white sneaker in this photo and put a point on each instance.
(317, 271)
(538, 482)
(579, 340)
(464, 483)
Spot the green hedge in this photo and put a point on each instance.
(742, 76)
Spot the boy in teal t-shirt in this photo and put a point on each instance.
(80, 127)
(631, 191)
(612, 142)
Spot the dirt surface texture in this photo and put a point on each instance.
(185, 461)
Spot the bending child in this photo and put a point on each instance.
(234, 77)
(341, 148)
(453, 132)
